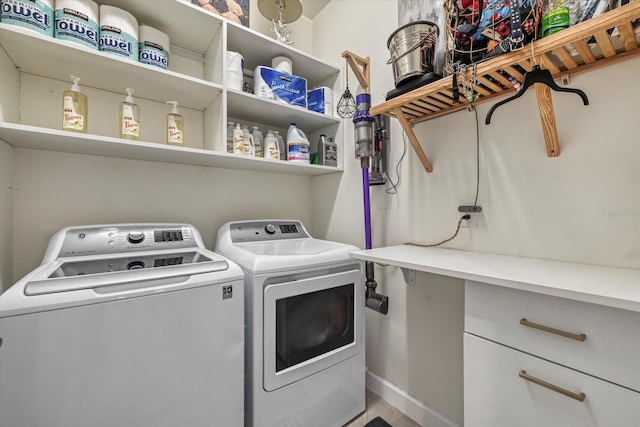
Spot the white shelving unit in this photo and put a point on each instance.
(44, 56)
(199, 42)
(66, 142)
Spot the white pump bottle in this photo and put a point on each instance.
(75, 109)
(129, 118)
(175, 126)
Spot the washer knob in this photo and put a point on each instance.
(135, 236)
(135, 265)
(270, 228)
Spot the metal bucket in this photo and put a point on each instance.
(412, 48)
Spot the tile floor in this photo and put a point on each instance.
(378, 407)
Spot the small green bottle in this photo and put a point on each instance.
(556, 16)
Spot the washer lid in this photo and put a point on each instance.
(73, 274)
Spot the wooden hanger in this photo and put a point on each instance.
(536, 75)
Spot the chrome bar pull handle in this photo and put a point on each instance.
(577, 396)
(577, 337)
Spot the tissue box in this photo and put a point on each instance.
(320, 100)
(278, 86)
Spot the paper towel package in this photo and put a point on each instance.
(278, 86)
(320, 100)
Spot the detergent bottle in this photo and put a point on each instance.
(298, 146)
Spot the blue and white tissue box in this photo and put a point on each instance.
(278, 86)
(320, 100)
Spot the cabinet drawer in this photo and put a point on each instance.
(496, 396)
(611, 346)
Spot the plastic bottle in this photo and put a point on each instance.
(556, 16)
(258, 141)
(327, 151)
(271, 146)
(230, 128)
(175, 126)
(75, 109)
(282, 147)
(298, 146)
(238, 140)
(129, 118)
(249, 147)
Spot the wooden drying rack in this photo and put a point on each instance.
(553, 52)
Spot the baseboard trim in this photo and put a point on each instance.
(411, 407)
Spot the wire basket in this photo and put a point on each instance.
(476, 33)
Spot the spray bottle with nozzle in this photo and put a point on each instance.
(75, 109)
(175, 126)
(364, 138)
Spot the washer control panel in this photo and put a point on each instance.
(127, 238)
(135, 262)
(256, 231)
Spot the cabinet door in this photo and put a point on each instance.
(608, 349)
(496, 396)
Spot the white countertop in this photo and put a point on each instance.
(608, 286)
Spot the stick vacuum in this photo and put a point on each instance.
(364, 135)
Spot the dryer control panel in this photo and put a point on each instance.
(256, 231)
(96, 240)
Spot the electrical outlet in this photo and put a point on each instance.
(473, 211)
(471, 222)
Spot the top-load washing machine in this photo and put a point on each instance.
(305, 353)
(124, 325)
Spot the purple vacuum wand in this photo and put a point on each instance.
(364, 134)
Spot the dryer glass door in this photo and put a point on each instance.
(310, 325)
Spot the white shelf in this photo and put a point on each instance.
(278, 114)
(193, 28)
(48, 57)
(188, 26)
(201, 36)
(608, 286)
(24, 136)
(258, 49)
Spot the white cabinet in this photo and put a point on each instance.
(557, 302)
(495, 395)
(534, 360)
(36, 69)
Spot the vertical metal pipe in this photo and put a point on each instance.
(367, 208)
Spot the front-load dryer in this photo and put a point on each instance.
(124, 325)
(305, 353)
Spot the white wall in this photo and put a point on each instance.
(583, 206)
(6, 214)
(55, 190)
(9, 109)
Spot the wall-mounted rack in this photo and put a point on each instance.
(598, 42)
(361, 67)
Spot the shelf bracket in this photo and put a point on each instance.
(409, 276)
(547, 117)
(361, 68)
(548, 120)
(408, 129)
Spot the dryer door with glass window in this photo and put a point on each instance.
(310, 325)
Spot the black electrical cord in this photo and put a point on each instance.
(465, 217)
(475, 202)
(394, 186)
